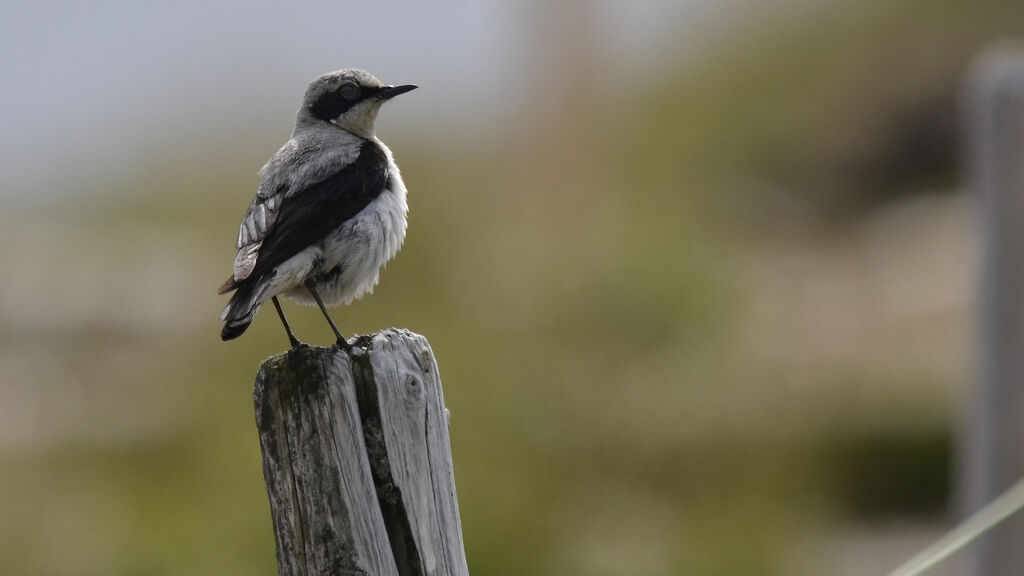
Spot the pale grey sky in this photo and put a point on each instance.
(86, 84)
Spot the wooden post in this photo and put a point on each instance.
(357, 460)
(993, 455)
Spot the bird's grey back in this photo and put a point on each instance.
(310, 157)
(313, 154)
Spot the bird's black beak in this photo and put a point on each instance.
(388, 92)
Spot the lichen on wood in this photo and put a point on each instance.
(357, 461)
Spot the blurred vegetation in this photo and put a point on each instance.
(681, 327)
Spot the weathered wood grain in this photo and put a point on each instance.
(415, 433)
(357, 461)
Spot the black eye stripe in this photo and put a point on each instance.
(370, 92)
(329, 106)
(332, 104)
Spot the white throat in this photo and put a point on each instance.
(359, 119)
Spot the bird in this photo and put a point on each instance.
(330, 209)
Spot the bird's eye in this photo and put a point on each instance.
(349, 91)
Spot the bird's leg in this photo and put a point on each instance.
(342, 343)
(287, 328)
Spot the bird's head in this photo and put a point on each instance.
(348, 99)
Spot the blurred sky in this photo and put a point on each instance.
(86, 84)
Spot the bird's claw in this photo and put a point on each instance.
(343, 345)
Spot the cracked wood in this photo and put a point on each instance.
(357, 461)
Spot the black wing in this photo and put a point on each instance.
(311, 214)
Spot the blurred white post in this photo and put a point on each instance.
(993, 447)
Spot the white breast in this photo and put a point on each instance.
(348, 262)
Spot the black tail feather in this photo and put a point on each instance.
(233, 330)
(241, 309)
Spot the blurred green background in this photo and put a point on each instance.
(697, 277)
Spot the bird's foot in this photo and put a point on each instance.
(297, 345)
(343, 344)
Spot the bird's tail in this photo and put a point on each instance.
(241, 309)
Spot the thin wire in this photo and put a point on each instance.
(995, 512)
